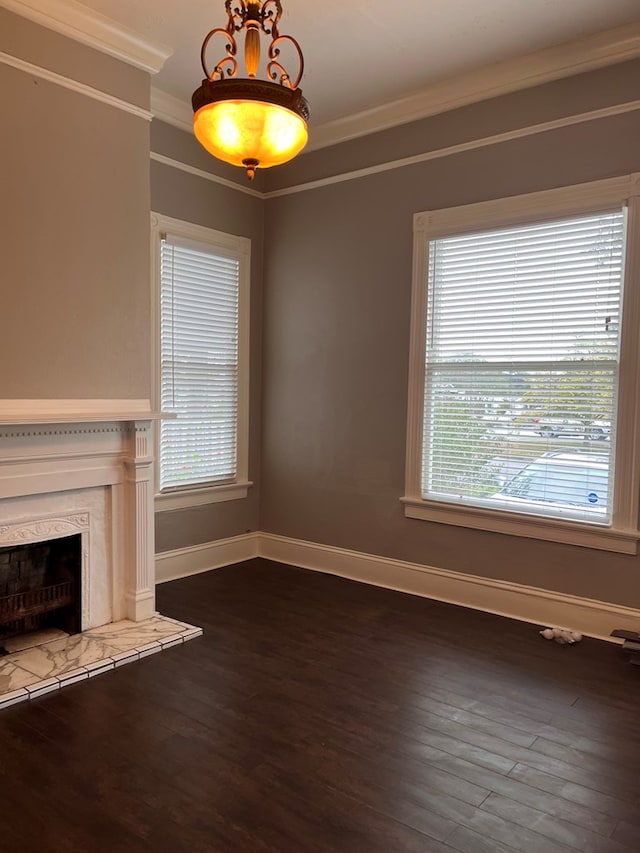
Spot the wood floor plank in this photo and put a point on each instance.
(610, 804)
(616, 766)
(349, 823)
(623, 782)
(555, 829)
(466, 841)
(628, 832)
(318, 715)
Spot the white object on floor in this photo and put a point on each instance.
(561, 635)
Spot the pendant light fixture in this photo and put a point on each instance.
(251, 122)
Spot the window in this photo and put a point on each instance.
(522, 409)
(201, 306)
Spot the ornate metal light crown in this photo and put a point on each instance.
(248, 121)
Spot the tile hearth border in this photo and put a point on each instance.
(43, 669)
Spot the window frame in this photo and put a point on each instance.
(191, 495)
(622, 534)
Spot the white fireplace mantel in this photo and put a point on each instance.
(59, 458)
(75, 411)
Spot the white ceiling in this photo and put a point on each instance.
(363, 54)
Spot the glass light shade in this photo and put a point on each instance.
(239, 130)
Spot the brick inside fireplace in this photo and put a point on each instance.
(40, 587)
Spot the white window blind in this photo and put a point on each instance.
(199, 297)
(521, 374)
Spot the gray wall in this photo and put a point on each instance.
(76, 200)
(336, 329)
(329, 413)
(74, 224)
(203, 202)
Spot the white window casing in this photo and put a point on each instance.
(200, 304)
(516, 303)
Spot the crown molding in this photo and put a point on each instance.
(76, 21)
(432, 154)
(171, 110)
(461, 147)
(207, 176)
(501, 78)
(88, 27)
(74, 85)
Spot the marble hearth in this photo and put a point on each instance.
(46, 668)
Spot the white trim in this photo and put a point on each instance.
(596, 51)
(515, 601)
(200, 234)
(74, 86)
(171, 110)
(208, 176)
(168, 501)
(471, 145)
(560, 201)
(415, 390)
(627, 487)
(532, 527)
(78, 411)
(624, 534)
(241, 247)
(184, 562)
(501, 78)
(434, 154)
(93, 29)
(139, 545)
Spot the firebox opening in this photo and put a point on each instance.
(40, 587)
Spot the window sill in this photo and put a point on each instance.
(520, 524)
(165, 502)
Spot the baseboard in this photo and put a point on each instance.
(529, 604)
(171, 565)
(516, 601)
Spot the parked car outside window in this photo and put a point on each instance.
(599, 430)
(554, 427)
(572, 427)
(560, 480)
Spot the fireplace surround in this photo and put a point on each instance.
(85, 467)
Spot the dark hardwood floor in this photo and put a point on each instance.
(317, 714)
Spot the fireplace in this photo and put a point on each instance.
(40, 587)
(78, 470)
(76, 543)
